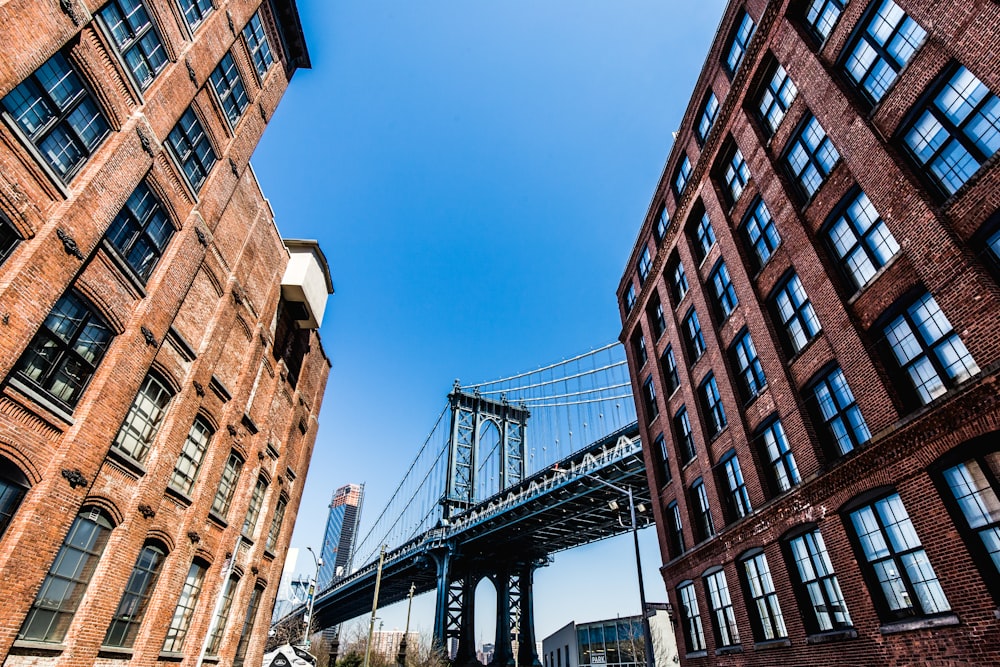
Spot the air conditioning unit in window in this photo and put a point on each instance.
(306, 283)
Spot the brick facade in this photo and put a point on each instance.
(208, 322)
(945, 245)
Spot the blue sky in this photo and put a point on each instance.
(476, 172)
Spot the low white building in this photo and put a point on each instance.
(617, 642)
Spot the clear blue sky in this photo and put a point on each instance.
(476, 172)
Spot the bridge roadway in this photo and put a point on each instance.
(555, 509)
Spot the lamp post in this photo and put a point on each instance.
(318, 562)
(401, 657)
(371, 624)
(638, 563)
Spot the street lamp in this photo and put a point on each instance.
(318, 562)
(638, 561)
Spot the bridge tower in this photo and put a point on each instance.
(487, 452)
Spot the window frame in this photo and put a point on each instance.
(724, 295)
(711, 404)
(767, 234)
(10, 238)
(720, 604)
(799, 319)
(679, 285)
(190, 477)
(694, 339)
(649, 399)
(814, 29)
(736, 40)
(675, 530)
(776, 452)
(187, 605)
(228, 484)
(798, 144)
(130, 231)
(660, 448)
(702, 234)
(662, 224)
(136, 443)
(687, 607)
(706, 117)
(135, 42)
(59, 119)
(701, 511)
(851, 212)
(733, 174)
(204, 164)
(195, 6)
(681, 176)
(685, 435)
(14, 486)
(737, 503)
(656, 317)
(256, 41)
(639, 350)
(862, 35)
(767, 621)
(821, 592)
(131, 610)
(832, 438)
(746, 362)
(668, 366)
(226, 83)
(778, 88)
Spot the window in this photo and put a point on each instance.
(657, 322)
(888, 41)
(820, 591)
(66, 583)
(694, 634)
(897, 561)
(861, 240)
(783, 474)
(668, 364)
(192, 149)
(260, 49)
(662, 223)
(685, 436)
(247, 631)
(704, 236)
(645, 264)
(58, 116)
(9, 238)
(726, 631)
(692, 334)
(840, 413)
(675, 529)
(993, 243)
(735, 175)
(822, 15)
(192, 454)
(751, 374)
(279, 517)
(144, 417)
(253, 510)
(184, 612)
(776, 99)
(222, 617)
(704, 527)
(709, 110)
(227, 485)
(132, 608)
(195, 11)
(649, 399)
(136, 37)
(678, 281)
(64, 354)
(810, 157)
(740, 41)
(639, 349)
(683, 174)
(765, 611)
(975, 486)
(141, 231)
(928, 350)
(228, 85)
(723, 291)
(711, 404)
(13, 486)
(630, 298)
(796, 314)
(957, 132)
(660, 447)
(737, 498)
(761, 233)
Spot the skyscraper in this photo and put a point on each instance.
(341, 527)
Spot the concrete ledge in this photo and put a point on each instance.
(26, 646)
(784, 642)
(913, 624)
(729, 650)
(696, 654)
(832, 636)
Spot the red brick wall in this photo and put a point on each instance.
(209, 305)
(940, 253)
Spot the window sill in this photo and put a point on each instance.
(832, 636)
(213, 659)
(115, 652)
(728, 650)
(38, 647)
(130, 464)
(179, 496)
(40, 397)
(913, 624)
(170, 656)
(269, 554)
(770, 644)
(805, 348)
(861, 291)
(218, 520)
(695, 654)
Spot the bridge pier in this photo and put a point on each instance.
(466, 654)
(503, 653)
(527, 656)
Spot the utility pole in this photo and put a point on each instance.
(371, 624)
(401, 657)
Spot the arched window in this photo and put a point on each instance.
(13, 486)
(186, 604)
(55, 605)
(135, 600)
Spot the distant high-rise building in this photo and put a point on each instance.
(341, 527)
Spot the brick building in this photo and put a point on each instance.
(161, 373)
(812, 317)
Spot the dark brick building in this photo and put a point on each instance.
(161, 373)
(812, 317)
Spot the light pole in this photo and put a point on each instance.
(638, 562)
(401, 657)
(311, 600)
(371, 625)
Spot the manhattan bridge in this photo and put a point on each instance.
(512, 471)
